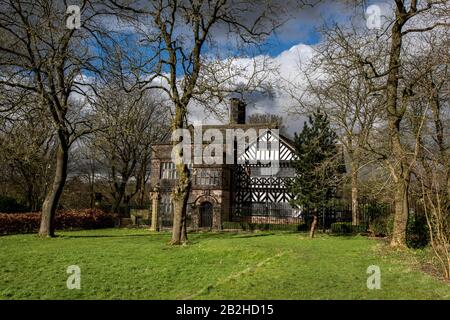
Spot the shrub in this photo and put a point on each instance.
(261, 226)
(347, 228)
(417, 233)
(8, 204)
(232, 225)
(382, 226)
(65, 220)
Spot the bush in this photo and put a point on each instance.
(65, 220)
(262, 226)
(347, 228)
(417, 233)
(382, 226)
(8, 204)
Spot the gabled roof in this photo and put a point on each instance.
(222, 127)
(285, 152)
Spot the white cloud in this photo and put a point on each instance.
(289, 64)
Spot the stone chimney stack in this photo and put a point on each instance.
(237, 111)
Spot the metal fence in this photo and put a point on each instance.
(284, 214)
(327, 215)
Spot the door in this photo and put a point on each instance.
(206, 211)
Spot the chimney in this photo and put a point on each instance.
(237, 111)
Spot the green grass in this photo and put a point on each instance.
(138, 264)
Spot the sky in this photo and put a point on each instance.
(289, 47)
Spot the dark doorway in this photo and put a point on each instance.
(206, 212)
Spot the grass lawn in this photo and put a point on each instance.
(138, 264)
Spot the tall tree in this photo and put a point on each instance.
(381, 60)
(429, 116)
(128, 122)
(26, 154)
(318, 168)
(43, 57)
(336, 85)
(396, 106)
(179, 34)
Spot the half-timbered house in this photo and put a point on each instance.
(252, 188)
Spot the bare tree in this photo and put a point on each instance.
(384, 66)
(41, 56)
(429, 117)
(396, 105)
(179, 32)
(336, 86)
(26, 152)
(130, 122)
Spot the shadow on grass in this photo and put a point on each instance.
(198, 237)
(192, 236)
(210, 235)
(105, 236)
(195, 237)
(253, 235)
(348, 236)
(240, 234)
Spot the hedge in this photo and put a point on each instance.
(347, 228)
(65, 220)
(262, 226)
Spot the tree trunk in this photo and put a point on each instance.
(177, 224)
(143, 180)
(30, 195)
(401, 214)
(355, 203)
(395, 116)
(184, 230)
(313, 224)
(182, 189)
(118, 199)
(47, 227)
(92, 198)
(141, 192)
(440, 137)
(180, 199)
